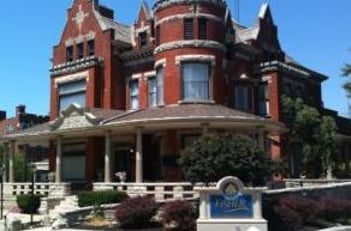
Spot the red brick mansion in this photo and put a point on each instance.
(130, 97)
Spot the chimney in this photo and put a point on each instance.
(20, 110)
(2, 115)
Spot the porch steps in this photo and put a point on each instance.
(69, 203)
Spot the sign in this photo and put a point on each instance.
(231, 203)
(238, 207)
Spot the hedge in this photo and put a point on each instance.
(100, 197)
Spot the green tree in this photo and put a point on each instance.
(316, 134)
(214, 156)
(346, 72)
(20, 167)
(19, 164)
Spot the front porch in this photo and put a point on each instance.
(92, 145)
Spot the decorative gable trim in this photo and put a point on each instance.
(74, 116)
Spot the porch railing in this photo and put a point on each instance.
(300, 182)
(45, 189)
(160, 191)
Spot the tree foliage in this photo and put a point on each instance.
(214, 156)
(346, 72)
(21, 168)
(316, 134)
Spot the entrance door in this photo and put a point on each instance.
(73, 163)
(124, 162)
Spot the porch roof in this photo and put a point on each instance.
(77, 120)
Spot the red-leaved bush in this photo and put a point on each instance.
(136, 212)
(306, 207)
(178, 215)
(333, 209)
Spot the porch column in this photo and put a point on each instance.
(204, 129)
(11, 167)
(139, 156)
(58, 159)
(261, 138)
(5, 163)
(107, 157)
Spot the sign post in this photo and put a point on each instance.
(229, 206)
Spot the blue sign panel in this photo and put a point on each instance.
(238, 207)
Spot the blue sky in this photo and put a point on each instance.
(316, 33)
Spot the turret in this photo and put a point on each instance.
(190, 49)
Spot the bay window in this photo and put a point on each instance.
(195, 77)
(152, 92)
(156, 88)
(159, 85)
(72, 92)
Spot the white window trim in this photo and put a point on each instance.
(71, 78)
(136, 76)
(195, 58)
(160, 62)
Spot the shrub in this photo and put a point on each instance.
(335, 209)
(214, 156)
(100, 197)
(290, 220)
(28, 203)
(307, 208)
(136, 212)
(178, 215)
(280, 217)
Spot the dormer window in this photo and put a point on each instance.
(80, 51)
(91, 48)
(69, 54)
(142, 39)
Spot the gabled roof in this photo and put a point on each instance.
(145, 7)
(264, 11)
(72, 117)
(122, 32)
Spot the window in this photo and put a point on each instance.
(263, 99)
(243, 98)
(72, 92)
(152, 92)
(69, 54)
(188, 28)
(91, 48)
(80, 51)
(202, 28)
(134, 94)
(159, 85)
(143, 39)
(158, 35)
(195, 81)
(156, 88)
